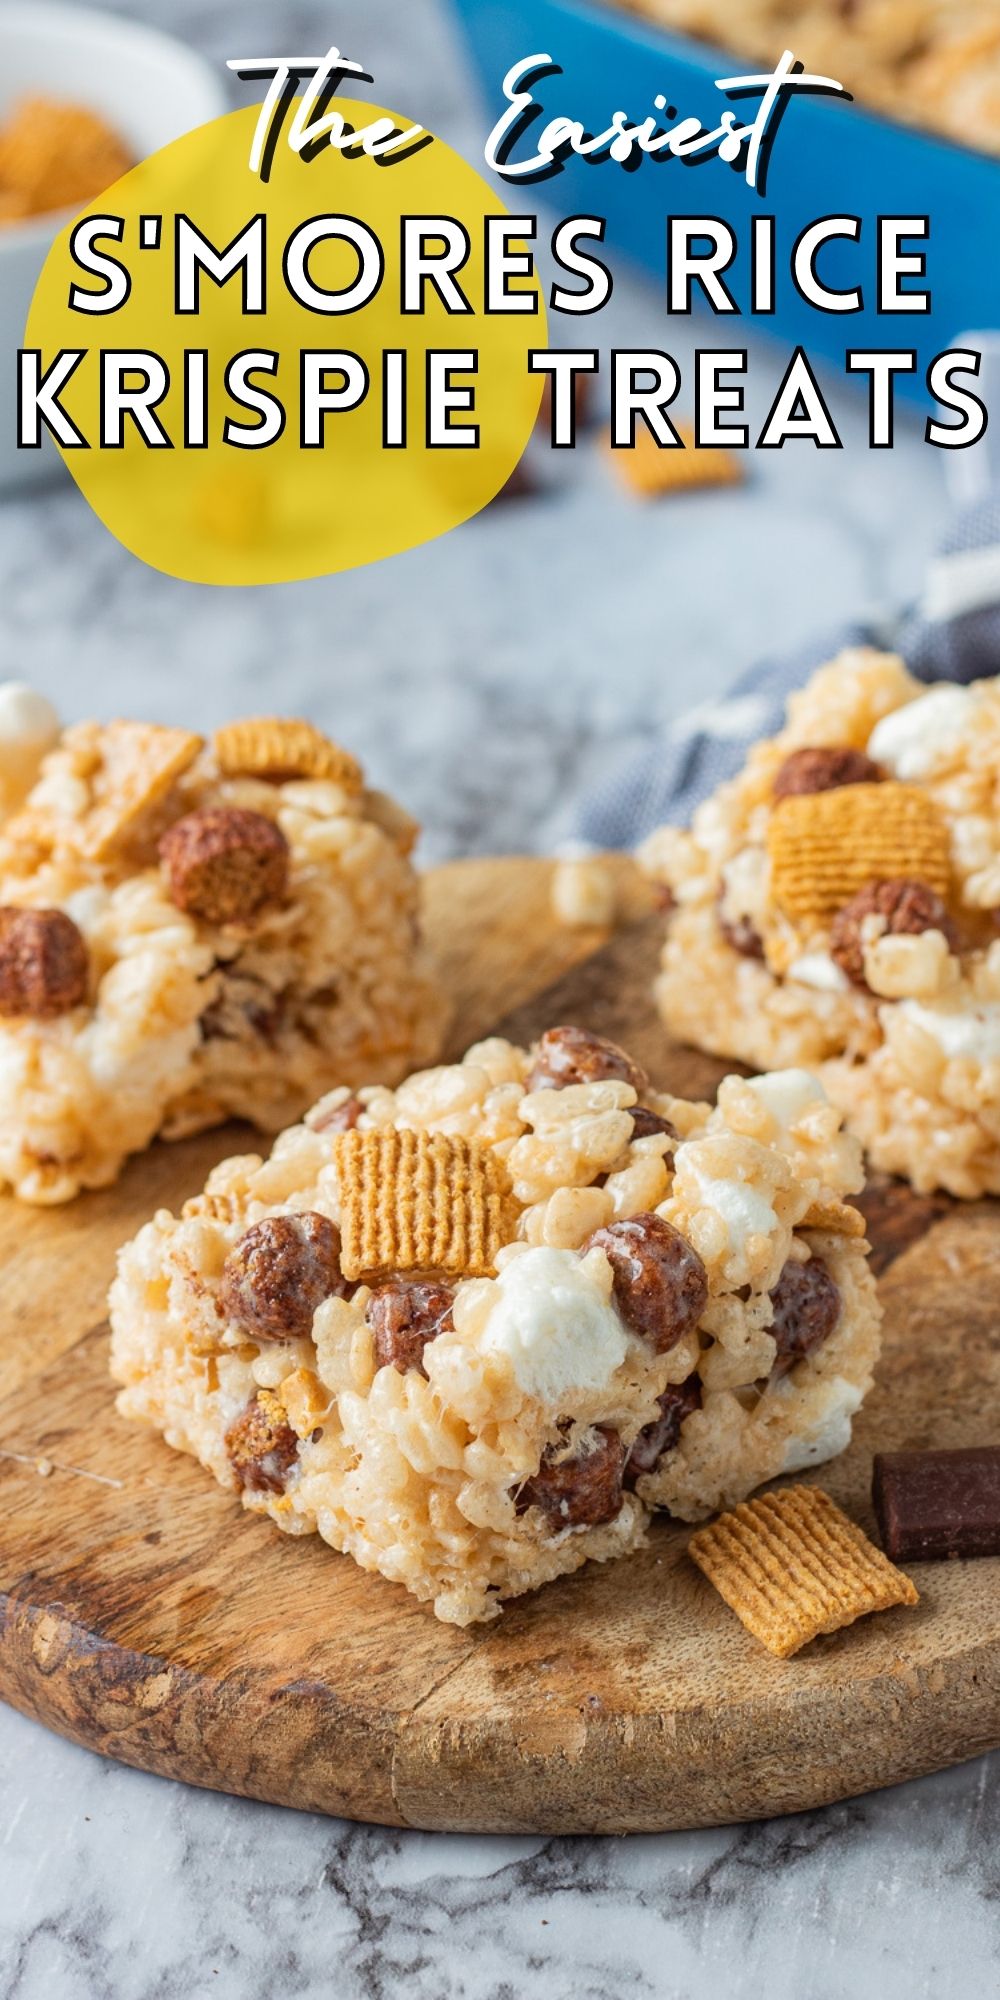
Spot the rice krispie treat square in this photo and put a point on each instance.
(475, 1329)
(837, 906)
(192, 932)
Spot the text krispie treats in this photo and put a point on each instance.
(474, 1329)
(190, 932)
(838, 906)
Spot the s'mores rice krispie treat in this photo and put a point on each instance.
(190, 932)
(473, 1330)
(837, 906)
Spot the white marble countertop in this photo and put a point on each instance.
(545, 639)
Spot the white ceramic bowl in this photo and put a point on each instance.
(149, 87)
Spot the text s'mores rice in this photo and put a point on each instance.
(837, 906)
(473, 1330)
(190, 932)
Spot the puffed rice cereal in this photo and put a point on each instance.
(837, 906)
(678, 1311)
(182, 943)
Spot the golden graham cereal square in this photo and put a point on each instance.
(791, 1566)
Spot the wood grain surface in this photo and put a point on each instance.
(143, 1614)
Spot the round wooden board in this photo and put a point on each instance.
(144, 1615)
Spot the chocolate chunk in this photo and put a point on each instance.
(225, 864)
(676, 1403)
(573, 1055)
(262, 1445)
(43, 963)
(578, 1492)
(403, 1318)
(661, 1286)
(280, 1272)
(806, 1305)
(933, 1505)
(907, 907)
(646, 1124)
(740, 933)
(824, 770)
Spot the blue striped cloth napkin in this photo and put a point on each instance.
(952, 634)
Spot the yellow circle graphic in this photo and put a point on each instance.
(281, 477)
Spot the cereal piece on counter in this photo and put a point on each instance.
(792, 1566)
(584, 892)
(935, 1506)
(650, 469)
(277, 749)
(504, 1314)
(418, 1201)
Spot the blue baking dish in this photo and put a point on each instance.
(829, 157)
